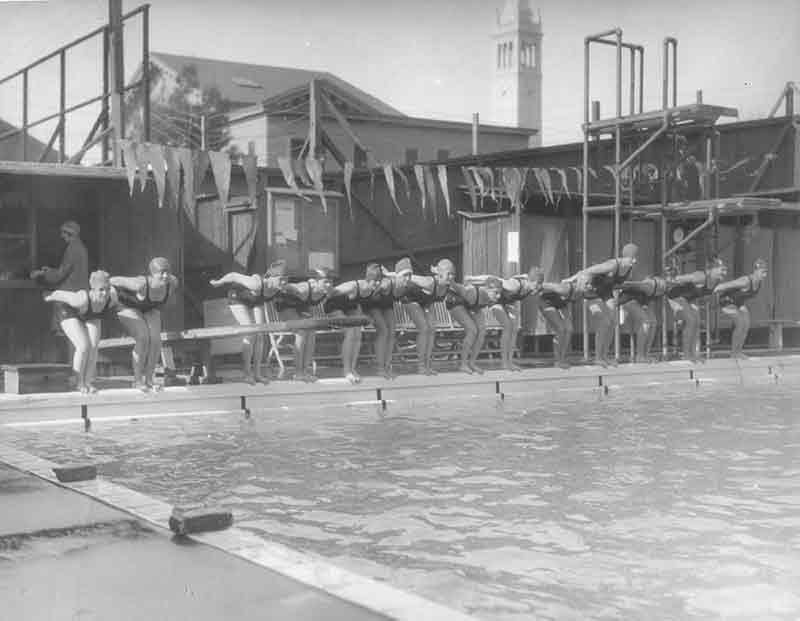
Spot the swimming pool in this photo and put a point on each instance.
(662, 503)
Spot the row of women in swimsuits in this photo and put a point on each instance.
(136, 301)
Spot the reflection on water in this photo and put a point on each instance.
(659, 505)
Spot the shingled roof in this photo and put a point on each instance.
(248, 84)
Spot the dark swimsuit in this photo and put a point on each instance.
(551, 299)
(453, 299)
(690, 291)
(131, 300)
(380, 299)
(507, 299)
(240, 295)
(284, 300)
(660, 289)
(426, 299)
(602, 285)
(738, 297)
(65, 311)
(344, 303)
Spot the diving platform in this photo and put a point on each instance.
(694, 115)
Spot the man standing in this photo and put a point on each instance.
(73, 273)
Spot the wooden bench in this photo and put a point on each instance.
(36, 377)
(201, 338)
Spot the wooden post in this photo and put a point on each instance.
(475, 124)
(117, 75)
(313, 119)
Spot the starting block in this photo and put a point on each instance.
(75, 472)
(187, 521)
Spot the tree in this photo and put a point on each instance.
(175, 115)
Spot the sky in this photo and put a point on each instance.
(427, 58)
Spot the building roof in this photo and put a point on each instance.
(251, 84)
(11, 146)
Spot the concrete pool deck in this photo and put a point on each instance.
(99, 550)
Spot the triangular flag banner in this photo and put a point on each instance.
(430, 186)
(479, 181)
(221, 165)
(155, 156)
(187, 164)
(250, 165)
(285, 164)
(301, 172)
(543, 177)
(473, 198)
(314, 168)
(512, 180)
(389, 176)
(141, 164)
(492, 190)
(173, 174)
(443, 185)
(564, 184)
(348, 178)
(419, 173)
(201, 165)
(580, 177)
(129, 153)
(406, 183)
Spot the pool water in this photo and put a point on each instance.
(659, 504)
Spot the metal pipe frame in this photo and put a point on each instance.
(702, 227)
(659, 132)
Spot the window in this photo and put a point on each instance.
(412, 156)
(442, 154)
(359, 157)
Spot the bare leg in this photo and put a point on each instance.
(463, 317)
(153, 319)
(93, 331)
(391, 337)
(507, 338)
(244, 317)
(430, 344)
(480, 325)
(356, 351)
(420, 319)
(599, 318)
(260, 318)
(640, 326)
(135, 325)
(557, 323)
(76, 332)
(308, 360)
(381, 338)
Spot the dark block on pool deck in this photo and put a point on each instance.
(75, 472)
(187, 521)
(45, 377)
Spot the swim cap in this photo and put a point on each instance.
(403, 266)
(159, 264)
(715, 262)
(630, 250)
(98, 279)
(760, 264)
(322, 273)
(373, 272)
(72, 226)
(445, 265)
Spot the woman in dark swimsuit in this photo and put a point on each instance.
(683, 296)
(513, 290)
(732, 297)
(555, 300)
(638, 298)
(466, 304)
(141, 299)
(418, 297)
(380, 307)
(296, 301)
(246, 298)
(345, 299)
(80, 314)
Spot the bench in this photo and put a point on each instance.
(202, 338)
(36, 377)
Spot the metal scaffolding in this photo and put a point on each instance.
(639, 130)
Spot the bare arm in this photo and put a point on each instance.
(76, 299)
(235, 278)
(559, 288)
(346, 288)
(426, 282)
(737, 283)
(135, 283)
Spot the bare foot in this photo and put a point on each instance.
(262, 379)
(465, 368)
(249, 379)
(351, 378)
(564, 365)
(476, 368)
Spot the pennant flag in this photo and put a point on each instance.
(301, 171)
(129, 152)
(420, 175)
(492, 191)
(592, 172)
(173, 174)
(141, 164)
(285, 164)
(221, 166)
(250, 165)
(430, 186)
(348, 177)
(389, 176)
(186, 159)
(201, 165)
(315, 170)
(612, 170)
(512, 180)
(443, 185)
(470, 187)
(564, 185)
(543, 177)
(406, 183)
(479, 181)
(155, 156)
(579, 173)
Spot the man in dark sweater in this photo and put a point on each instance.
(73, 273)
